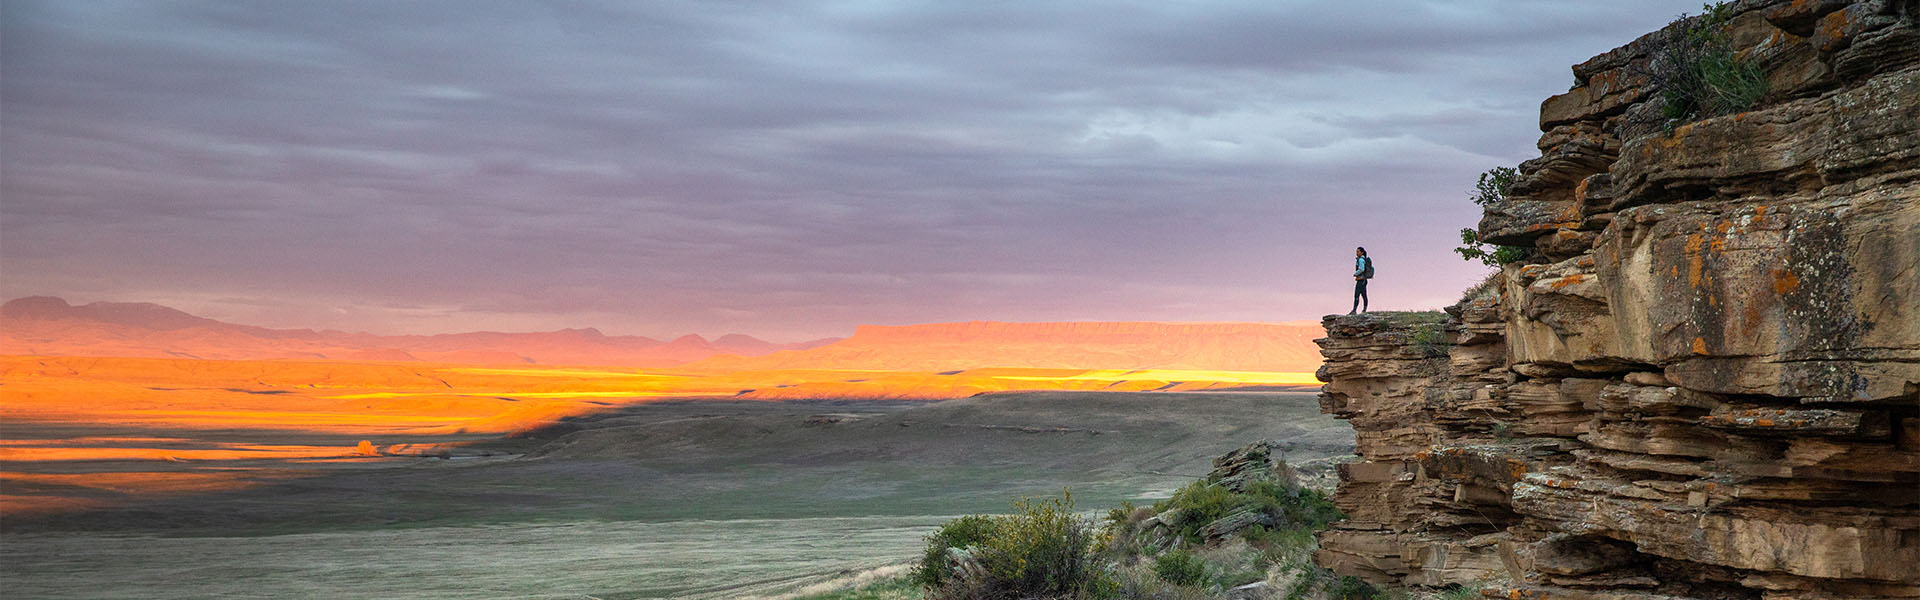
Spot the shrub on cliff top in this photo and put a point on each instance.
(1431, 340)
(1493, 187)
(1697, 71)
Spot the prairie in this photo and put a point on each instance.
(195, 479)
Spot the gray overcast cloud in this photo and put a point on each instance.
(787, 170)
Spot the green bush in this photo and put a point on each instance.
(1471, 592)
(1201, 503)
(1698, 73)
(1315, 582)
(1196, 505)
(1181, 567)
(964, 532)
(1493, 187)
(1431, 340)
(1297, 506)
(1041, 550)
(1282, 541)
(1121, 516)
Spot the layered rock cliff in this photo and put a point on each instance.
(1704, 382)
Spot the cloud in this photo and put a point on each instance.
(790, 169)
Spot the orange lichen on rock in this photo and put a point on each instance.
(1832, 30)
(1695, 262)
(1784, 281)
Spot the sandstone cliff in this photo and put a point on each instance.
(1705, 381)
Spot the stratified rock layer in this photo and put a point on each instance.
(1705, 382)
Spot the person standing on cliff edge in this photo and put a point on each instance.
(1362, 271)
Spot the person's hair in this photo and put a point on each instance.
(1362, 249)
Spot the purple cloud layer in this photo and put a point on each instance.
(783, 169)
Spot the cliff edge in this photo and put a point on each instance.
(1704, 382)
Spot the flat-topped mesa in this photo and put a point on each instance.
(1098, 345)
(1705, 380)
(1071, 331)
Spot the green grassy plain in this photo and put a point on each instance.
(665, 499)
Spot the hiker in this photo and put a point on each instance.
(1362, 271)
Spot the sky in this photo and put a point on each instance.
(782, 169)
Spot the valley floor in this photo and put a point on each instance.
(665, 499)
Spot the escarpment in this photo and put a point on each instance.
(1704, 382)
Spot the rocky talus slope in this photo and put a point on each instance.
(1705, 381)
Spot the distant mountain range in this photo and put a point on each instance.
(50, 326)
(44, 325)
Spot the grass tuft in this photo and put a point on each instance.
(1181, 567)
(1431, 340)
(891, 588)
(1470, 592)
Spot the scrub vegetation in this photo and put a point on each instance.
(1431, 340)
(1492, 188)
(1697, 71)
(1212, 536)
(1043, 549)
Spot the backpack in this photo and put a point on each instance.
(1366, 272)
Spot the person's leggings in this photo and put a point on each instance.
(1359, 295)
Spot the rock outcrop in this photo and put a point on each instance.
(1705, 380)
(1238, 471)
